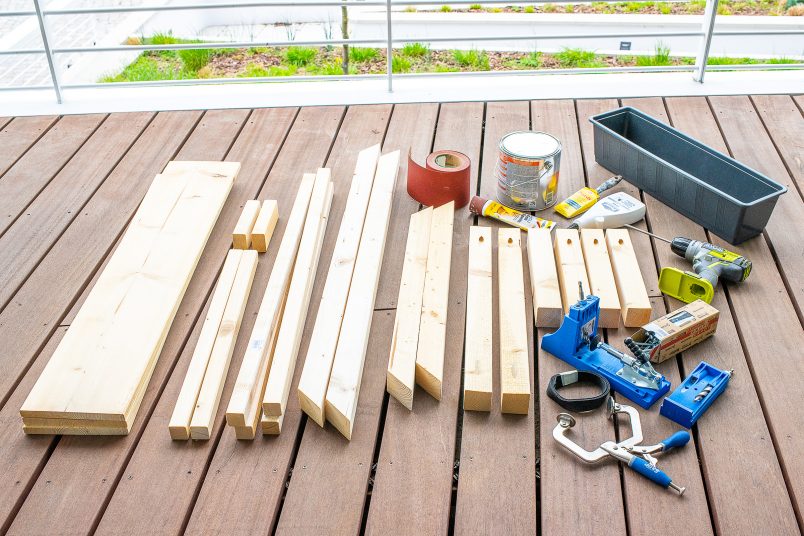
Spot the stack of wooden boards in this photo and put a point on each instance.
(96, 378)
(256, 225)
(420, 327)
(602, 264)
(329, 386)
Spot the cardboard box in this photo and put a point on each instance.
(680, 329)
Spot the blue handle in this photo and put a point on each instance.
(651, 472)
(679, 439)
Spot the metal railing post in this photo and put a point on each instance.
(706, 40)
(389, 51)
(46, 44)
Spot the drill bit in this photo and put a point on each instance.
(657, 237)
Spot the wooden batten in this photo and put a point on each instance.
(514, 365)
(241, 236)
(547, 308)
(477, 375)
(435, 301)
(571, 267)
(264, 225)
(634, 300)
(601, 276)
(312, 389)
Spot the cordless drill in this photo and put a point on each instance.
(709, 263)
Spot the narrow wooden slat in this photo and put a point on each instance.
(636, 308)
(784, 123)
(209, 396)
(514, 371)
(401, 376)
(244, 404)
(350, 354)
(601, 277)
(547, 308)
(318, 364)
(565, 483)
(477, 372)
(571, 267)
(179, 425)
(283, 363)
(498, 452)
(82, 475)
(241, 235)
(738, 502)
(18, 135)
(264, 226)
(435, 303)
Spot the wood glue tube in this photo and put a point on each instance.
(493, 209)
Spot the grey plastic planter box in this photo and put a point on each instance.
(712, 189)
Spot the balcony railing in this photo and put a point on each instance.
(699, 69)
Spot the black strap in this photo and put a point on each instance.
(578, 376)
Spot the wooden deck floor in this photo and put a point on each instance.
(68, 187)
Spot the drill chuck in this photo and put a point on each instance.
(679, 245)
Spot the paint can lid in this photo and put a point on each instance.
(529, 144)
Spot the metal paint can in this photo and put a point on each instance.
(527, 170)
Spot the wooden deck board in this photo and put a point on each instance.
(81, 204)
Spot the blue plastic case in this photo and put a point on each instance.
(681, 407)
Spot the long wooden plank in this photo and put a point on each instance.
(636, 309)
(318, 364)
(401, 377)
(601, 277)
(782, 119)
(209, 396)
(241, 235)
(264, 226)
(350, 354)
(435, 303)
(179, 425)
(244, 404)
(514, 371)
(738, 502)
(114, 341)
(547, 309)
(564, 483)
(498, 452)
(19, 134)
(283, 363)
(477, 371)
(230, 476)
(84, 477)
(571, 267)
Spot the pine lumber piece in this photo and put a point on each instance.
(103, 364)
(514, 365)
(283, 362)
(435, 300)
(241, 235)
(601, 276)
(264, 225)
(571, 268)
(272, 425)
(547, 309)
(179, 424)
(312, 388)
(401, 376)
(634, 300)
(212, 387)
(350, 355)
(244, 404)
(477, 375)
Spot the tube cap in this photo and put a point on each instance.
(476, 205)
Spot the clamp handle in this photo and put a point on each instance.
(653, 473)
(679, 439)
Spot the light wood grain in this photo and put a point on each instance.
(601, 276)
(547, 310)
(241, 236)
(312, 389)
(350, 355)
(264, 225)
(636, 309)
(435, 301)
(401, 375)
(571, 267)
(477, 375)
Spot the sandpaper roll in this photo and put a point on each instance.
(443, 178)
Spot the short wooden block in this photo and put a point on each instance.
(601, 276)
(264, 226)
(241, 236)
(514, 362)
(272, 425)
(571, 268)
(634, 300)
(477, 372)
(547, 310)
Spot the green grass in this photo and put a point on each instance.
(472, 58)
(715, 60)
(400, 64)
(475, 7)
(550, 8)
(360, 55)
(148, 68)
(779, 61)
(195, 58)
(446, 9)
(576, 58)
(530, 9)
(410, 9)
(415, 50)
(333, 68)
(661, 56)
(532, 60)
(445, 69)
(664, 8)
(300, 56)
(254, 70)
